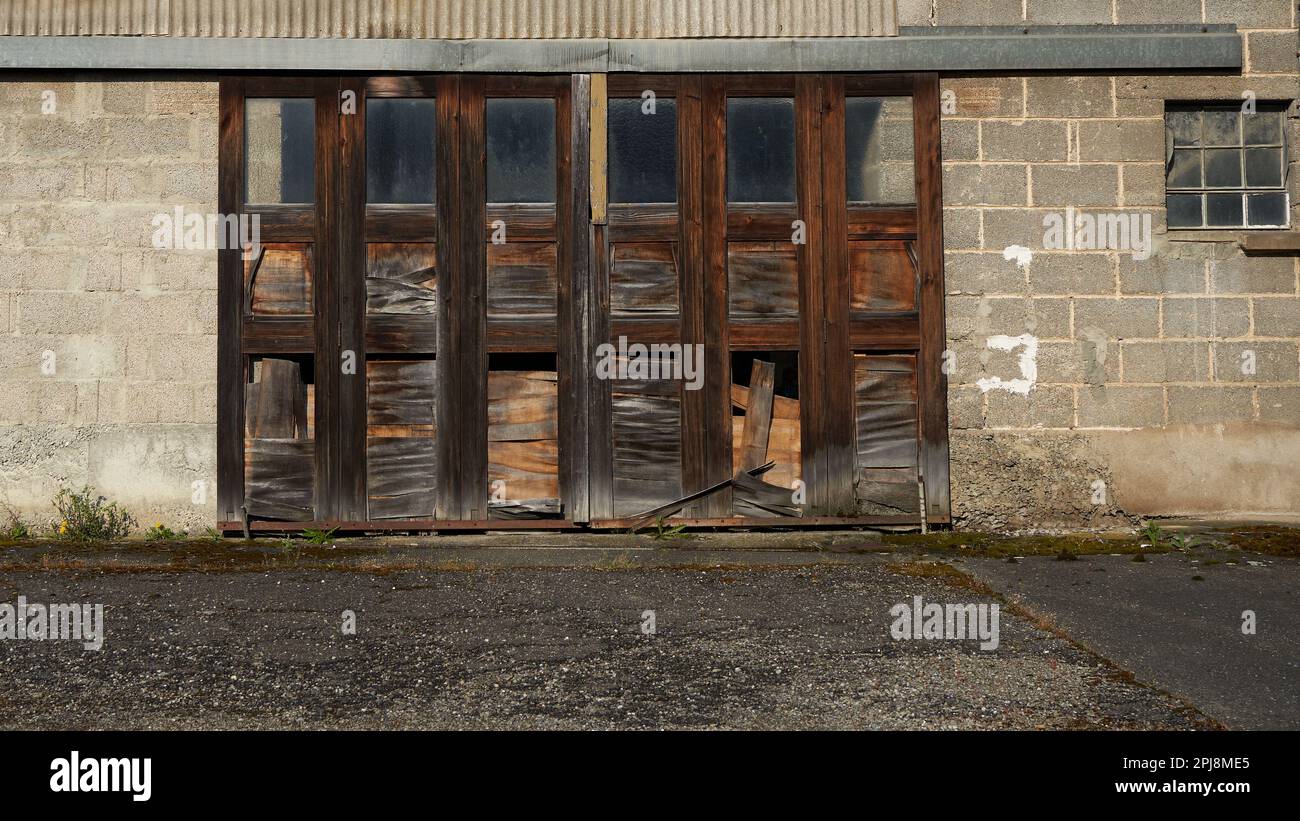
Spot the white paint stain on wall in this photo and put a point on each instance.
(1028, 361)
(1022, 255)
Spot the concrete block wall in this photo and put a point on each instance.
(1139, 381)
(108, 344)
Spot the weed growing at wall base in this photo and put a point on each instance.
(85, 516)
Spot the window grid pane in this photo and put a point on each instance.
(1227, 168)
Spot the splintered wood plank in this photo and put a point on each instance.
(278, 280)
(401, 392)
(643, 278)
(279, 478)
(782, 450)
(400, 477)
(521, 279)
(886, 403)
(276, 404)
(752, 496)
(763, 279)
(758, 416)
(401, 278)
(647, 456)
(883, 277)
(783, 407)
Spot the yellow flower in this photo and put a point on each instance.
(63, 527)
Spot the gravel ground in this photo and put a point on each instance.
(546, 647)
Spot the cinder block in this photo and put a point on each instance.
(1271, 52)
(1205, 318)
(1278, 316)
(1025, 140)
(60, 312)
(1046, 406)
(1142, 184)
(1210, 405)
(199, 98)
(965, 408)
(148, 138)
(986, 96)
(1067, 12)
(1161, 275)
(1280, 405)
(1070, 97)
(979, 12)
(125, 97)
(1145, 94)
(1004, 227)
(961, 139)
(1080, 186)
(1253, 275)
(49, 137)
(1165, 11)
(1166, 361)
(1126, 140)
(168, 313)
(1126, 318)
(1249, 14)
(27, 182)
(982, 273)
(1272, 361)
(1121, 406)
(1078, 363)
(973, 184)
(961, 228)
(1072, 272)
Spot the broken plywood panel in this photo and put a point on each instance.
(278, 281)
(521, 279)
(885, 400)
(643, 278)
(647, 444)
(523, 444)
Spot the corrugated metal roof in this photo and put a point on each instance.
(453, 19)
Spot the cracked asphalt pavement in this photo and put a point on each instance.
(552, 640)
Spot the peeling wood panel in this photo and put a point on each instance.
(888, 457)
(401, 474)
(279, 478)
(762, 279)
(401, 446)
(783, 448)
(883, 277)
(752, 496)
(646, 432)
(276, 404)
(401, 278)
(521, 279)
(530, 470)
(278, 281)
(643, 279)
(522, 406)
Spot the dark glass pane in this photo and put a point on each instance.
(521, 150)
(1223, 168)
(280, 150)
(1184, 210)
(1186, 170)
(400, 150)
(642, 151)
(1267, 209)
(760, 149)
(1185, 126)
(1223, 210)
(1222, 127)
(878, 150)
(1263, 128)
(1264, 166)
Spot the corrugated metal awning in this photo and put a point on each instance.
(452, 19)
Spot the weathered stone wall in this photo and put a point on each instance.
(108, 344)
(1139, 378)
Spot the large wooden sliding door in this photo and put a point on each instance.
(435, 329)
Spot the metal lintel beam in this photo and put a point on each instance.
(961, 49)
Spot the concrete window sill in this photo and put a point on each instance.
(1252, 242)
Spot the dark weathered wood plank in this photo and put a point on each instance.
(758, 416)
(643, 279)
(230, 308)
(933, 383)
(279, 478)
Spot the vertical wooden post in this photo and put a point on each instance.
(230, 299)
(351, 295)
(573, 347)
(932, 383)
